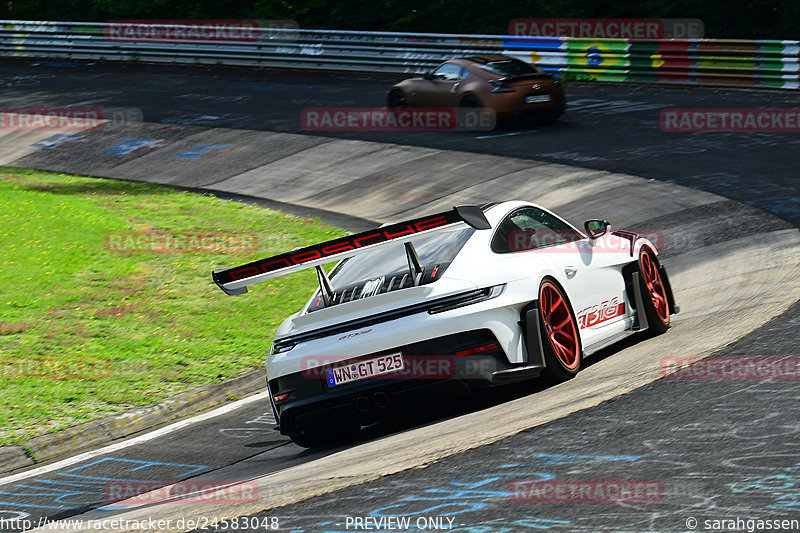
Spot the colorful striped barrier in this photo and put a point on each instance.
(737, 63)
(732, 63)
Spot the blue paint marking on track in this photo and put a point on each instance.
(785, 483)
(68, 483)
(497, 476)
(192, 469)
(205, 149)
(560, 458)
(57, 140)
(463, 499)
(780, 205)
(16, 504)
(60, 495)
(130, 145)
(81, 482)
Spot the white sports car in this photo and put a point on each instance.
(419, 312)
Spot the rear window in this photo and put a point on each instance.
(509, 67)
(354, 275)
(439, 248)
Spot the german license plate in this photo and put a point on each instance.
(368, 368)
(537, 98)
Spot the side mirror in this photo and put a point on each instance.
(428, 75)
(596, 228)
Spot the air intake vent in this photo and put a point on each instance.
(375, 286)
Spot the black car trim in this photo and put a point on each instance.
(438, 305)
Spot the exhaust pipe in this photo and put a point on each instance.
(380, 400)
(363, 404)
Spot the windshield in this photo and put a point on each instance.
(509, 67)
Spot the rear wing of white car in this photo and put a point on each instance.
(234, 281)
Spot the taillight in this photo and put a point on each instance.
(478, 349)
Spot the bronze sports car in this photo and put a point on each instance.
(512, 88)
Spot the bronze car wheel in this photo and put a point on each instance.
(397, 98)
(470, 101)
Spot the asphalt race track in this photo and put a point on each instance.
(708, 449)
(606, 127)
(712, 451)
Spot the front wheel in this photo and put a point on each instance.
(655, 301)
(397, 98)
(561, 340)
(470, 101)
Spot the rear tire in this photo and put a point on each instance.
(561, 340)
(325, 440)
(551, 119)
(655, 301)
(305, 440)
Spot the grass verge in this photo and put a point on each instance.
(107, 300)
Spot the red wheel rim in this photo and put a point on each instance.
(559, 325)
(655, 286)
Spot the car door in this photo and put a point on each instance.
(590, 277)
(440, 90)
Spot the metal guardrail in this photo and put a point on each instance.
(740, 63)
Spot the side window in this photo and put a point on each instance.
(529, 228)
(447, 72)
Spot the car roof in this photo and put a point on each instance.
(486, 58)
(473, 63)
